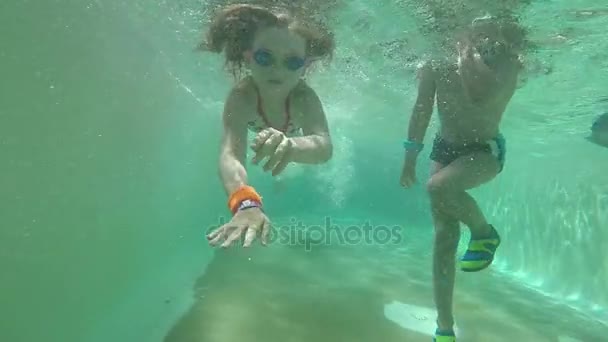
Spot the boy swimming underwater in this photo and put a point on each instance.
(472, 93)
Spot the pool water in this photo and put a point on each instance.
(109, 134)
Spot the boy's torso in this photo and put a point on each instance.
(461, 119)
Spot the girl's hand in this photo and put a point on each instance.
(249, 222)
(276, 146)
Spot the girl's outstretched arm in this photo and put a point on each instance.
(234, 143)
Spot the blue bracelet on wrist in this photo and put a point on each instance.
(413, 146)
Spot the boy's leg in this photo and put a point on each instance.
(447, 189)
(447, 234)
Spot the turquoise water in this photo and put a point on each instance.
(109, 133)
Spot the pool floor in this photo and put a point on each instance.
(361, 293)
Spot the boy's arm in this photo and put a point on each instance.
(315, 146)
(476, 75)
(423, 109)
(484, 82)
(234, 143)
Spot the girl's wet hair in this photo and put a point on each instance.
(233, 30)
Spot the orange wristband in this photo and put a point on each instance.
(243, 193)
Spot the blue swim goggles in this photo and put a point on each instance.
(265, 58)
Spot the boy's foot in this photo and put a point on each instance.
(444, 336)
(480, 252)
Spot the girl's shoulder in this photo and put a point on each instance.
(244, 92)
(244, 87)
(241, 99)
(303, 93)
